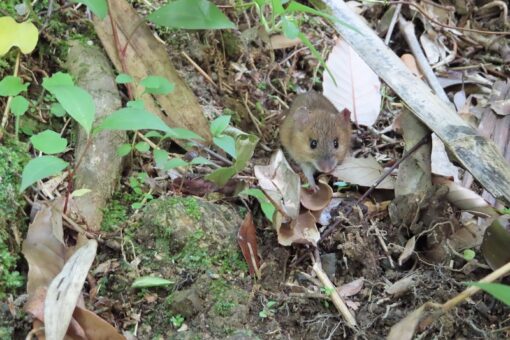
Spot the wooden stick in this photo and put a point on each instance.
(478, 155)
(335, 297)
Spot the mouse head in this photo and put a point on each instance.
(324, 136)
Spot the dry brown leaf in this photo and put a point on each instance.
(281, 184)
(247, 240)
(401, 286)
(405, 328)
(351, 288)
(280, 41)
(408, 251)
(410, 62)
(95, 327)
(43, 248)
(465, 199)
(302, 230)
(364, 172)
(357, 86)
(65, 289)
(317, 200)
(496, 242)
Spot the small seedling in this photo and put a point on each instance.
(177, 320)
(268, 310)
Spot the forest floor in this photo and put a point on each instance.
(187, 233)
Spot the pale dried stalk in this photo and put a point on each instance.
(335, 297)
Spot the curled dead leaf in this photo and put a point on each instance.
(364, 172)
(280, 183)
(465, 199)
(247, 240)
(302, 230)
(317, 200)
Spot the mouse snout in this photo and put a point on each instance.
(327, 165)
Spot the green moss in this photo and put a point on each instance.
(13, 157)
(190, 204)
(114, 214)
(194, 255)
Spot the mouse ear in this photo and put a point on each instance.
(346, 114)
(302, 116)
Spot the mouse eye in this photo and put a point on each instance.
(313, 143)
(335, 143)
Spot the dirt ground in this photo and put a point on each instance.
(191, 241)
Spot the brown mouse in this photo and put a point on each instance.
(315, 134)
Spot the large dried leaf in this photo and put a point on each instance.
(465, 199)
(357, 87)
(302, 230)
(317, 200)
(44, 248)
(95, 327)
(496, 242)
(280, 183)
(364, 172)
(405, 328)
(247, 240)
(65, 289)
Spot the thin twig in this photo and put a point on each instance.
(392, 24)
(422, 11)
(199, 69)
(407, 28)
(332, 292)
(333, 226)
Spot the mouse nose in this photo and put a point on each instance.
(326, 164)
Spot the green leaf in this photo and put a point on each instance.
(227, 144)
(57, 110)
(150, 281)
(315, 53)
(174, 163)
(75, 100)
(137, 205)
(142, 147)
(160, 157)
(179, 133)
(164, 163)
(190, 14)
(124, 149)
(245, 146)
(132, 119)
(201, 161)
(19, 105)
(136, 104)
(24, 34)
(80, 192)
(497, 290)
(219, 125)
(267, 207)
(153, 134)
(295, 6)
(49, 142)
(57, 79)
(157, 85)
(290, 29)
(39, 168)
(221, 176)
(469, 254)
(11, 86)
(98, 7)
(277, 7)
(123, 78)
